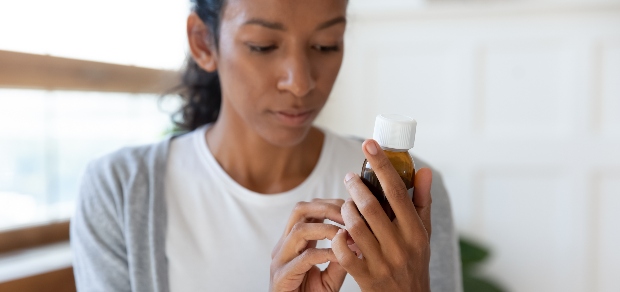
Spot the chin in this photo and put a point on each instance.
(286, 137)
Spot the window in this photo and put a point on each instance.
(48, 136)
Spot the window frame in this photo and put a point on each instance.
(31, 71)
(33, 236)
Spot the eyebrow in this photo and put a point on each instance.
(337, 20)
(280, 26)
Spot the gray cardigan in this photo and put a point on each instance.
(119, 229)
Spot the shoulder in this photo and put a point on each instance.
(346, 142)
(121, 161)
(345, 150)
(111, 176)
(129, 160)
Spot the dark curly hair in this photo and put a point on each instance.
(200, 90)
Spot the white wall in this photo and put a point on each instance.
(518, 106)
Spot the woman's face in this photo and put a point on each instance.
(278, 61)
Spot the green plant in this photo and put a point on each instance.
(472, 255)
(172, 130)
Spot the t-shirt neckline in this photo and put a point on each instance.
(240, 192)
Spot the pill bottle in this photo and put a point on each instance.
(396, 136)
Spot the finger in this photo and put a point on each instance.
(337, 202)
(346, 257)
(422, 199)
(276, 249)
(393, 186)
(301, 234)
(308, 259)
(370, 208)
(334, 275)
(315, 210)
(359, 231)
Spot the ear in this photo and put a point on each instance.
(201, 43)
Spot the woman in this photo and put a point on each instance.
(239, 203)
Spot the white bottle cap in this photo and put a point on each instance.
(395, 131)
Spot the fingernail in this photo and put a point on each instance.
(371, 148)
(340, 231)
(349, 176)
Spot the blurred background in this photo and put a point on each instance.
(517, 102)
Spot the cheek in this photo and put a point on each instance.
(328, 69)
(243, 82)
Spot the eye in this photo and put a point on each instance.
(263, 49)
(327, 49)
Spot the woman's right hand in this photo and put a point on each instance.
(295, 256)
(395, 254)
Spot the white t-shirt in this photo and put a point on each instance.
(220, 234)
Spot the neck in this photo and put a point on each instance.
(258, 165)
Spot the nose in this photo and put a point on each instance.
(297, 78)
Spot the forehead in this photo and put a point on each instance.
(289, 13)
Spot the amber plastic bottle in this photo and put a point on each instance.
(396, 135)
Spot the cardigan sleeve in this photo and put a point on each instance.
(118, 229)
(445, 265)
(97, 239)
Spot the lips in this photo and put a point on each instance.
(294, 118)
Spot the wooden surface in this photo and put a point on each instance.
(33, 236)
(56, 281)
(21, 70)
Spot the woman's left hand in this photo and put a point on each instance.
(395, 255)
(295, 256)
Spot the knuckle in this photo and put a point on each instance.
(401, 258)
(276, 249)
(348, 204)
(357, 227)
(350, 184)
(331, 229)
(426, 249)
(298, 228)
(369, 209)
(383, 270)
(278, 275)
(348, 207)
(331, 207)
(399, 192)
(347, 261)
(421, 242)
(401, 262)
(421, 251)
(383, 164)
(307, 254)
(304, 255)
(273, 267)
(275, 270)
(300, 207)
